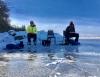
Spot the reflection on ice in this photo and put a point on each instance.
(17, 56)
(54, 61)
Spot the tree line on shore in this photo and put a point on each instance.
(4, 19)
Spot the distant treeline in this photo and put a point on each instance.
(16, 28)
(4, 19)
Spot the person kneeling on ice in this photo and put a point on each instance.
(15, 46)
(31, 33)
(70, 32)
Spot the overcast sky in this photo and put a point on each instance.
(56, 8)
(83, 12)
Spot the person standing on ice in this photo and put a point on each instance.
(31, 33)
(70, 32)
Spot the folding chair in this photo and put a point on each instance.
(50, 35)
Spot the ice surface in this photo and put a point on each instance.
(54, 61)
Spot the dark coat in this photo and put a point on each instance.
(70, 29)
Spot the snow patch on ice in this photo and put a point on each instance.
(89, 53)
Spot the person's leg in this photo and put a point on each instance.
(77, 37)
(29, 38)
(34, 38)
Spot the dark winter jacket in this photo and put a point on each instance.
(70, 29)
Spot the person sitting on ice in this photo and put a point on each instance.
(70, 32)
(31, 33)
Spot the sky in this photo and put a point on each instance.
(59, 12)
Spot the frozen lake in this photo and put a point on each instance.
(54, 61)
